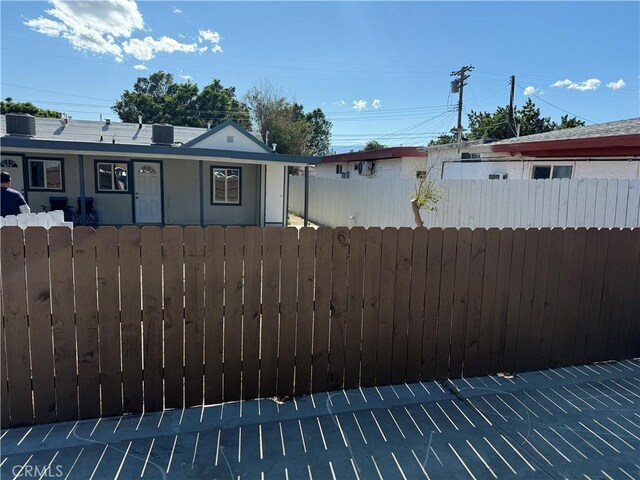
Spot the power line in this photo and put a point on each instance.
(559, 108)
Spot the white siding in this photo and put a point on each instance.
(240, 143)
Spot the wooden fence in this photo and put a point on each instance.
(130, 320)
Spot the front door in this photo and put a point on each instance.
(12, 164)
(148, 194)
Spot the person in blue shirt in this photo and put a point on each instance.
(12, 201)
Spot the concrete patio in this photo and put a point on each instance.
(576, 422)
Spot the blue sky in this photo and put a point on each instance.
(379, 70)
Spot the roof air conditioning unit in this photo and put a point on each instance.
(21, 124)
(162, 134)
(498, 176)
(365, 168)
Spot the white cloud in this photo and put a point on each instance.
(376, 103)
(140, 67)
(530, 90)
(339, 103)
(186, 77)
(590, 84)
(616, 85)
(203, 49)
(108, 27)
(359, 105)
(147, 48)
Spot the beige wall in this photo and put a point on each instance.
(181, 192)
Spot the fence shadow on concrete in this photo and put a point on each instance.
(111, 321)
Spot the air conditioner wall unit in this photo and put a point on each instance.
(345, 174)
(365, 168)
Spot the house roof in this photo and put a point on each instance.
(380, 154)
(83, 136)
(612, 139)
(250, 135)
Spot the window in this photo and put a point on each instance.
(7, 163)
(45, 174)
(470, 156)
(225, 185)
(338, 169)
(112, 177)
(421, 174)
(355, 166)
(541, 172)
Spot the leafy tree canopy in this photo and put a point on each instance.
(9, 106)
(447, 138)
(373, 145)
(496, 125)
(159, 99)
(294, 131)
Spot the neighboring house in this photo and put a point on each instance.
(608, 150)
(385, 163)
(148, 174)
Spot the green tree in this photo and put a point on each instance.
(284, 122)
(446, 138)
(373, 145)
(159, 99)
(496, 125)
(9, 106)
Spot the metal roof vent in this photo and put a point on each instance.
(21, 124)
(162, 134)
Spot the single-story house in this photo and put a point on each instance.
(136, 173)
(384, 163)
(607, 150)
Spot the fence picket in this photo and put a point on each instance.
(63, 321)
(571, 320)
(5, 419)
(38, 297)
(270, 312)
(513, 303)
(320, 365)
(500, 308)
(401, 307)
(372, 273)
(487, 314)
(131, 319)
(460, 302)
(194, 315)
(531, 345)
(84, 270)
(431, 296)
(523, 333)
(304, 324)
(251, 320)
(474, 304)
(385, 309)
(214, 313)
(416, 303)
(337, 335)
(289, 292)
(172, 260)
(357, 239)
(564, 289)
(233, 256)
(109, 320)
(447, 282)
(151, 240)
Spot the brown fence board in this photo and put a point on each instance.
(586, 292)
(270, 312)
(194, 316)
(474, 305)
(489, 281)
(337, 331)
(172, 263)
(564, 290)
(621, 264)
(524, 335)
(416, 303)
(109, 320)
(38, 301)
(233, 259)
(214, 316)
(445, 309)
(371, 299)
(15, 325)
(4, 389)
(401, 305)
(64, 335)
(385, 310)
(551, 298)
(513, 306)
(501, 303)
(84, 270)
(304, 323)
(251, 319)
(532, 342)
(571, 321)
(289, 293)
(151, 240)
(131, 318)
(460, 302)
(357, 242)
(593, 318)
(631, 327)
(431, 304)
(321, 317)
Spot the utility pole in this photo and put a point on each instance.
(457, 85)
(511, 127)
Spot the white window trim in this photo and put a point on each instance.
(226, 201)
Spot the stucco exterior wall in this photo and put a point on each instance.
(181, 192)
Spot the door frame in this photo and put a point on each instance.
(133, 189)
(25, 173)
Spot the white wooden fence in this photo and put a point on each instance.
(42, 219)
(472, 203)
